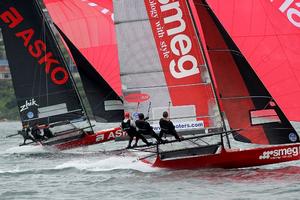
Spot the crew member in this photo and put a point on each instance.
(129, 127)
(167, 126)
(47, 132)
(36, 132)
(144, 128)
(26, 134)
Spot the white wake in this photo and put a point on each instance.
(108, 164)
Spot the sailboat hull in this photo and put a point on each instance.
(233, 158)
(85, 140)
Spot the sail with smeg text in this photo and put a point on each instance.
(162, 64)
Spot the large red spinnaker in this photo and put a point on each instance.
(268, 35)
(247, 103)
(90, 27)
(225, 70)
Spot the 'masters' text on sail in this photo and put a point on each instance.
(35, 47)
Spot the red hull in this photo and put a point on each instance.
(234, 158)
(96, 138)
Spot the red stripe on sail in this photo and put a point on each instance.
(90, 26)
(268, 35)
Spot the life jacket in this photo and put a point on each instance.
(48, 133)
(143, 126)
(36, 132)
(166, 125)
(127, 127)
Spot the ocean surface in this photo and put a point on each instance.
(30, 172)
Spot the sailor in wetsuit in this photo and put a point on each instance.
(36, 132)
(47, 132)
(129, 127)
(144, 128)
(167, 127)
(26, 134)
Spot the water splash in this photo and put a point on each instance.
(108, 164)
(26, 149)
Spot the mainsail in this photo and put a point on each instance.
(87, 28)
(43, 85)
(245, 100)
(268, 35)
(162, 64)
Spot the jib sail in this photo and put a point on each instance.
(88, 30)
(106, 105)
(43, 85)
(90, 27)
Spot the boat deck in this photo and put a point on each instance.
(64, 136)
(189, 152)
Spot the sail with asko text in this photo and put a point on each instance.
(43, 86)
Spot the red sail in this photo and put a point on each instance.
(268, 35)
(245, 100)
(90, 26)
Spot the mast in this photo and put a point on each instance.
(204, 54)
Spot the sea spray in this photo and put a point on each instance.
(108, 164)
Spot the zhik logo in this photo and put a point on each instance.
(28, 103)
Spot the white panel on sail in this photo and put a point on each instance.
(113, 105)
(178, 113)
(52, 110)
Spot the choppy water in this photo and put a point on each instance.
(84, 173)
